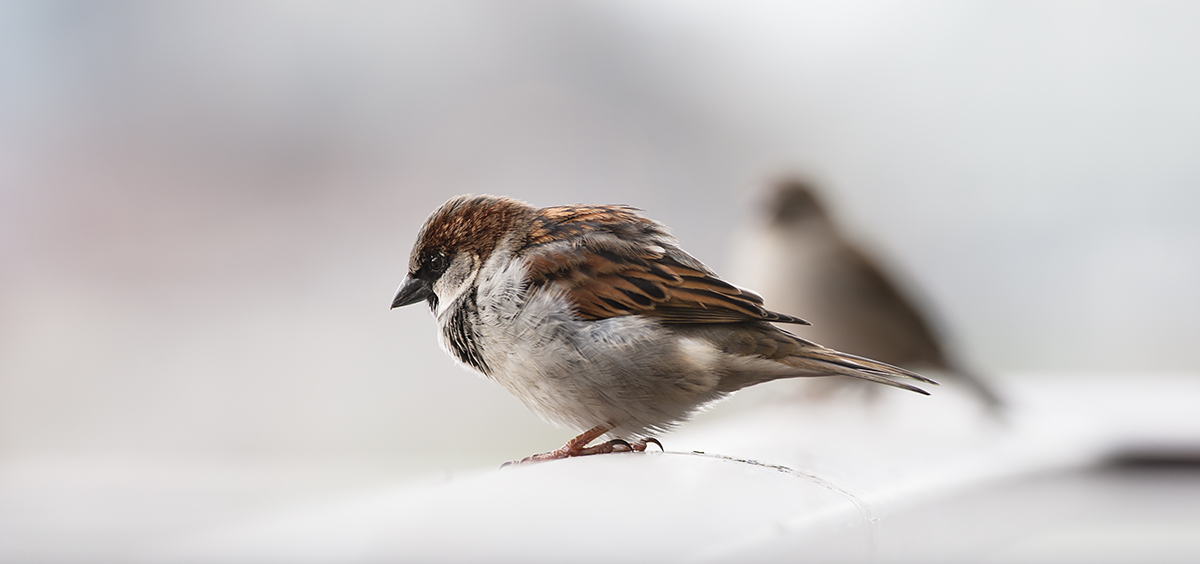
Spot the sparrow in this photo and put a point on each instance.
(595, 319)
(800, 258)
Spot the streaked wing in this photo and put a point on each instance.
(611, 262)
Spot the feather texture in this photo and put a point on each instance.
(596, 319)
(610, 262)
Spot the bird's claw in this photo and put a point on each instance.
(575, 448)
(646, 442)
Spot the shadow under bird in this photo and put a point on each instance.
(799, 258)
(595, 319)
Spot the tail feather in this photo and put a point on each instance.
(831, 362)
(978, 384)
(760, 352)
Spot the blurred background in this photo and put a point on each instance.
(205, 208)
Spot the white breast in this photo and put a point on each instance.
(627, 371)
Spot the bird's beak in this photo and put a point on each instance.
(411, 291)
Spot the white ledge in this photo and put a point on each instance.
(776, 480)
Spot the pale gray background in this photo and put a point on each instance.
(205, 207)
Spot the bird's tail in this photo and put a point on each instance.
(822, 361)
(978, 384)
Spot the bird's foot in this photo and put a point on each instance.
(578, 447)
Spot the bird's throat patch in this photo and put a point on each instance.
(461, 336)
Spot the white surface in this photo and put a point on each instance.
(204, 208)
(776, 481)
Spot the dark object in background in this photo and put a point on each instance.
(807, 267)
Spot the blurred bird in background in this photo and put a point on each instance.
(797, 256)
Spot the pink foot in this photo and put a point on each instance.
(578, 447)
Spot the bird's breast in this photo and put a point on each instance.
(461, 332)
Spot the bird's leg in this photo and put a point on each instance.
(578, 446)
(617, 445)
(574, 447)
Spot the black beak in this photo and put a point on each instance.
(411, 291)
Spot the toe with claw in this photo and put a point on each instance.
(578, 447)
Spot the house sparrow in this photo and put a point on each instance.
(596, 320)
(797, 256)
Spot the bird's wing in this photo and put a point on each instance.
(610, 261)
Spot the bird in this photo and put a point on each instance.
(799, 257)
(595, 319)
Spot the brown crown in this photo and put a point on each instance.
(474, 224)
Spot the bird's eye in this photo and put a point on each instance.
(438, 262)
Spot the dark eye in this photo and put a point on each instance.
(437, 262)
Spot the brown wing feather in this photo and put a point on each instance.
(611, 262)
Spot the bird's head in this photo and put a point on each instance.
(792, 202)
(456, 241)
